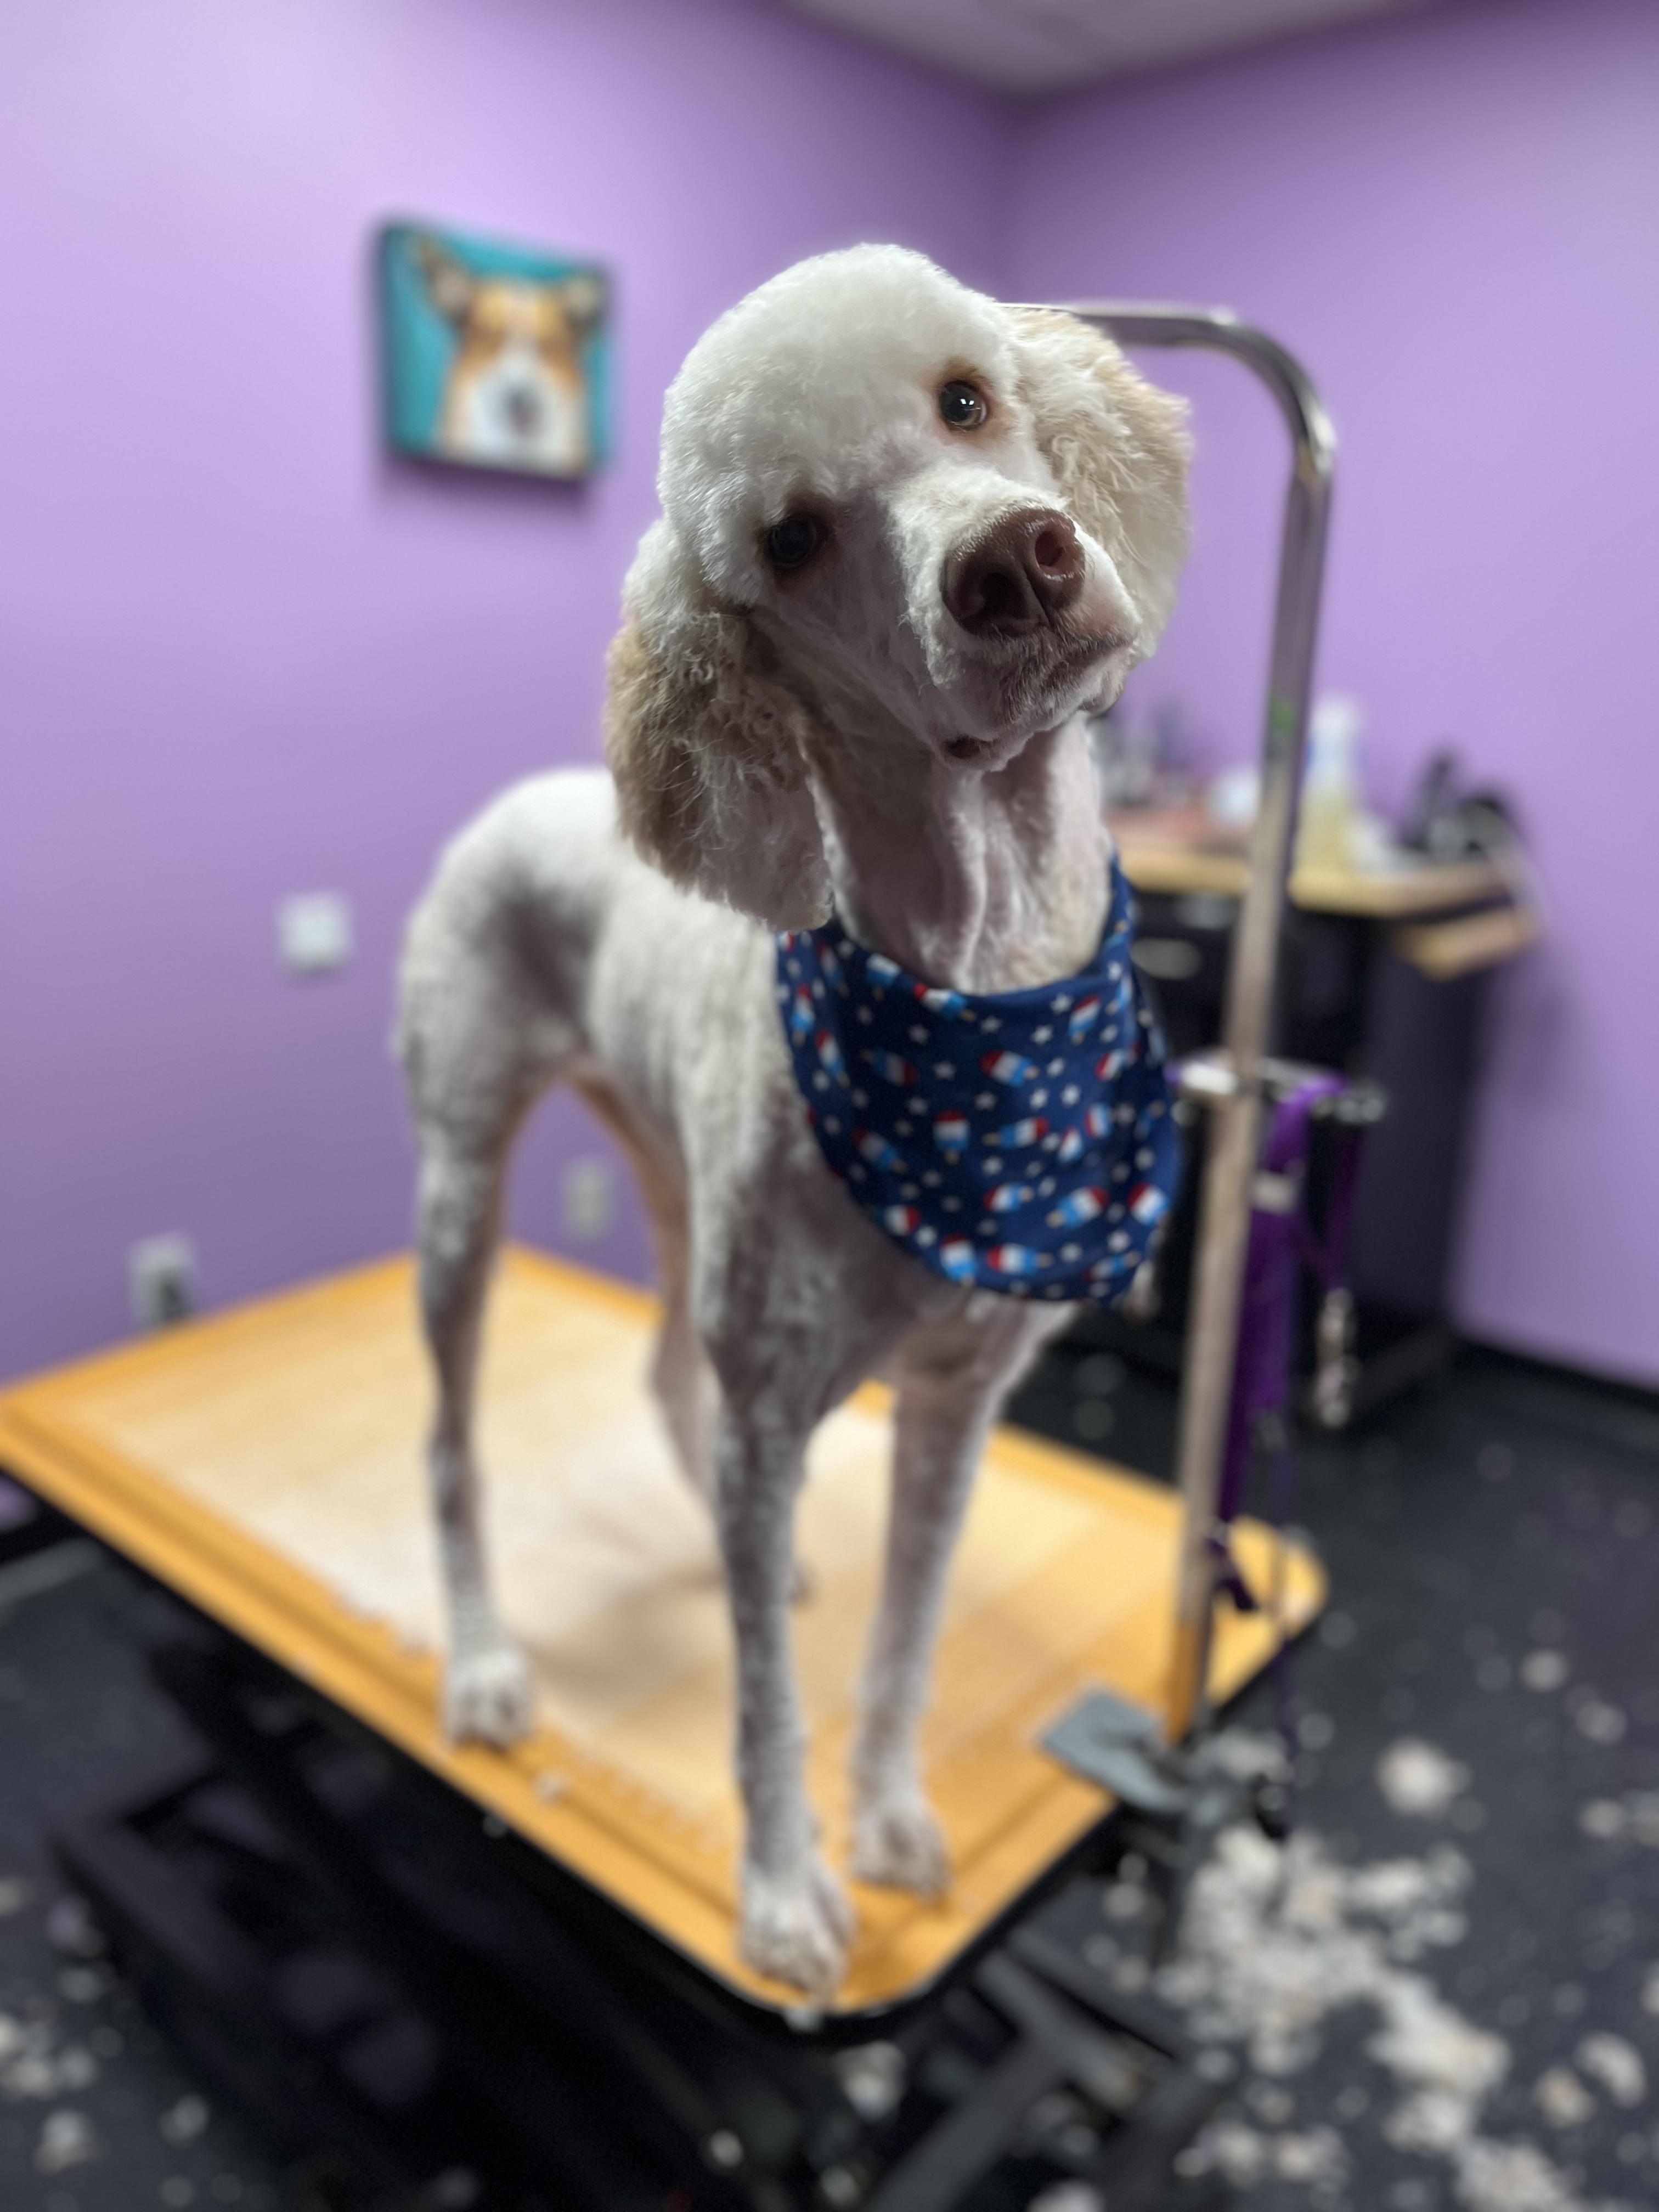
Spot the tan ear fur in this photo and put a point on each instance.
(704, 743)
(450, 286)
(1118, 448)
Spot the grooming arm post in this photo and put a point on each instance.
(1230, 1172)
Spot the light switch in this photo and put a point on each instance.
(314, 933)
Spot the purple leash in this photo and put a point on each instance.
(1282, 1241)
(1281, 1238)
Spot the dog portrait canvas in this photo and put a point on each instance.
(496, 356)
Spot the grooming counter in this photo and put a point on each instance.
(265, 1464)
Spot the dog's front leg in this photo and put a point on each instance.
(951, 1377)
(489, 1696)
(795, 1921)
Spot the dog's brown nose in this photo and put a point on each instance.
(1021, 574)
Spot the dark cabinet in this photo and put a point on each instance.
(1382, 978)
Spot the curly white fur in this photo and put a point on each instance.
(780, 742)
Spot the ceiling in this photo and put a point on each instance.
(1032, 46)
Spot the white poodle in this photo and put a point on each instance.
(909, 536)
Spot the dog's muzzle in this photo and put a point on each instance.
(1018, 577)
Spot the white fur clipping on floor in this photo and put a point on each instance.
(1420, 1781)
(1279, 1940)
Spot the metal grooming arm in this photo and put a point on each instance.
(1234, 1097)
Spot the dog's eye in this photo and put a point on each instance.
(791, 542)
(962, 405)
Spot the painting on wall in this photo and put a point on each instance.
(496, 357)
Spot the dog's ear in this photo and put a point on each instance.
(449, 286)
(583, 299)
(1118, 448)
(704, 739)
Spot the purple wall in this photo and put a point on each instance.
(1452, 221)
(240, 654)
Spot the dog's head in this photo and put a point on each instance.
(887, 501)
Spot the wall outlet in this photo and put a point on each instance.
(314, 933)
(161, 1277)
(587, 1200)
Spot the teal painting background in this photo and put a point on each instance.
(418, 345)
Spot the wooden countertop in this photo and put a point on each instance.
(1163, 864)
(1429, 901)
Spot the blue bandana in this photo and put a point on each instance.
(1019, 1141)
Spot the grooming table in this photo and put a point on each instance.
(267, 1465)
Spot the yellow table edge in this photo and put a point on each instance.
(546, 1789)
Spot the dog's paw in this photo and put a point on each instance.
(490, 1696)
(796, 1927)
(898, 1843)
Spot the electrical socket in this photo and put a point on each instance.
(587, 1200)
(162, 1277)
